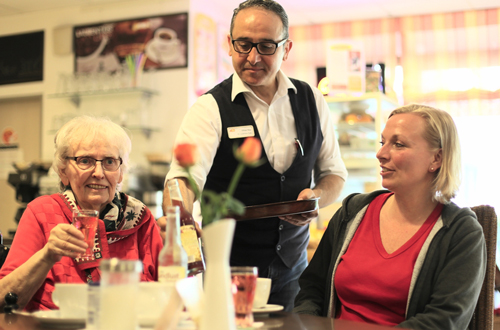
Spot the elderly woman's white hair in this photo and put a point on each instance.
(89, 128)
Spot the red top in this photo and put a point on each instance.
(373, 285)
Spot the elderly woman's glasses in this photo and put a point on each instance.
(86, 163)
(263, 48)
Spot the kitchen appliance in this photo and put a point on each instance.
(26, 181)
(146, 184)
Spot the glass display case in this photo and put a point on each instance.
(359, 121)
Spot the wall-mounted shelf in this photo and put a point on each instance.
(117, 113)
(146, 131)
(76, 97)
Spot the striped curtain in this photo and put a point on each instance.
(310, 45)
(450, 60)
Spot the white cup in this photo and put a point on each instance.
(262, 292)
(165, 40)
(71, 298)
(153, 296)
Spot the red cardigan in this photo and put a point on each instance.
(143, 242)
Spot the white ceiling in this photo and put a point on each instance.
(299, 11)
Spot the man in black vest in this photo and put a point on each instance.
(293, 123)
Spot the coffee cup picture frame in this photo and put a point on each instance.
(104, 47)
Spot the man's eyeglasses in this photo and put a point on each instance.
(108, 164)
(263, 48)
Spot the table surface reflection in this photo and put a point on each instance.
(278, 320)
(289, 321)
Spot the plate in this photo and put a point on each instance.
(278, 209)
(52, 317)
(269, 308)
(161, 58)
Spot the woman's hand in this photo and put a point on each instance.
(64, 240)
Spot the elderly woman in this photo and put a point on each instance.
(405, 256)
(91, 157)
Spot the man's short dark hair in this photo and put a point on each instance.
(270, 5)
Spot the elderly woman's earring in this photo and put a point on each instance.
(432, 169)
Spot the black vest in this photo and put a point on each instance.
(257, 242)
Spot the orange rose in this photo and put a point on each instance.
(249, 152)
(186, 154)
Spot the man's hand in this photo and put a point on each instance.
(162, 224)
(303, 218)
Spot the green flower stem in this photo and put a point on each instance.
(193, 185)
(236, 177)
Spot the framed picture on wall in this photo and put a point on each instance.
(160, 42)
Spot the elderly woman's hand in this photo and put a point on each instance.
(64, 240)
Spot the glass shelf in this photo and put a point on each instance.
(143, 129)
(144, 93)
(146, 131)
(360, 127)
(76, 97)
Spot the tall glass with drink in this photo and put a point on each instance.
(86, 222)
(243, 283)
(189, 236)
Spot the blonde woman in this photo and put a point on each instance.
(405, 256)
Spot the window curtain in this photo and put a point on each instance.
(310, 46)
(452, 61)
(449, 60)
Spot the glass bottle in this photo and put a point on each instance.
(172, 263)
(189, 236)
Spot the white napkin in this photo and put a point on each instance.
(191, 292)
(171, 314)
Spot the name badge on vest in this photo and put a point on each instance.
(240, 132)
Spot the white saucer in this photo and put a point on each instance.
(52, 317)
(161, 58)
(269, 308)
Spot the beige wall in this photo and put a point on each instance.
(23, 115)
(165, 110)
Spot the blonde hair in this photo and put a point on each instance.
(89, 128)
(440, 133)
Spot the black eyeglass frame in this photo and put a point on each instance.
(255, 44)
(95, 162)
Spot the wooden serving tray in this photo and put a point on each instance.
(278, 209)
